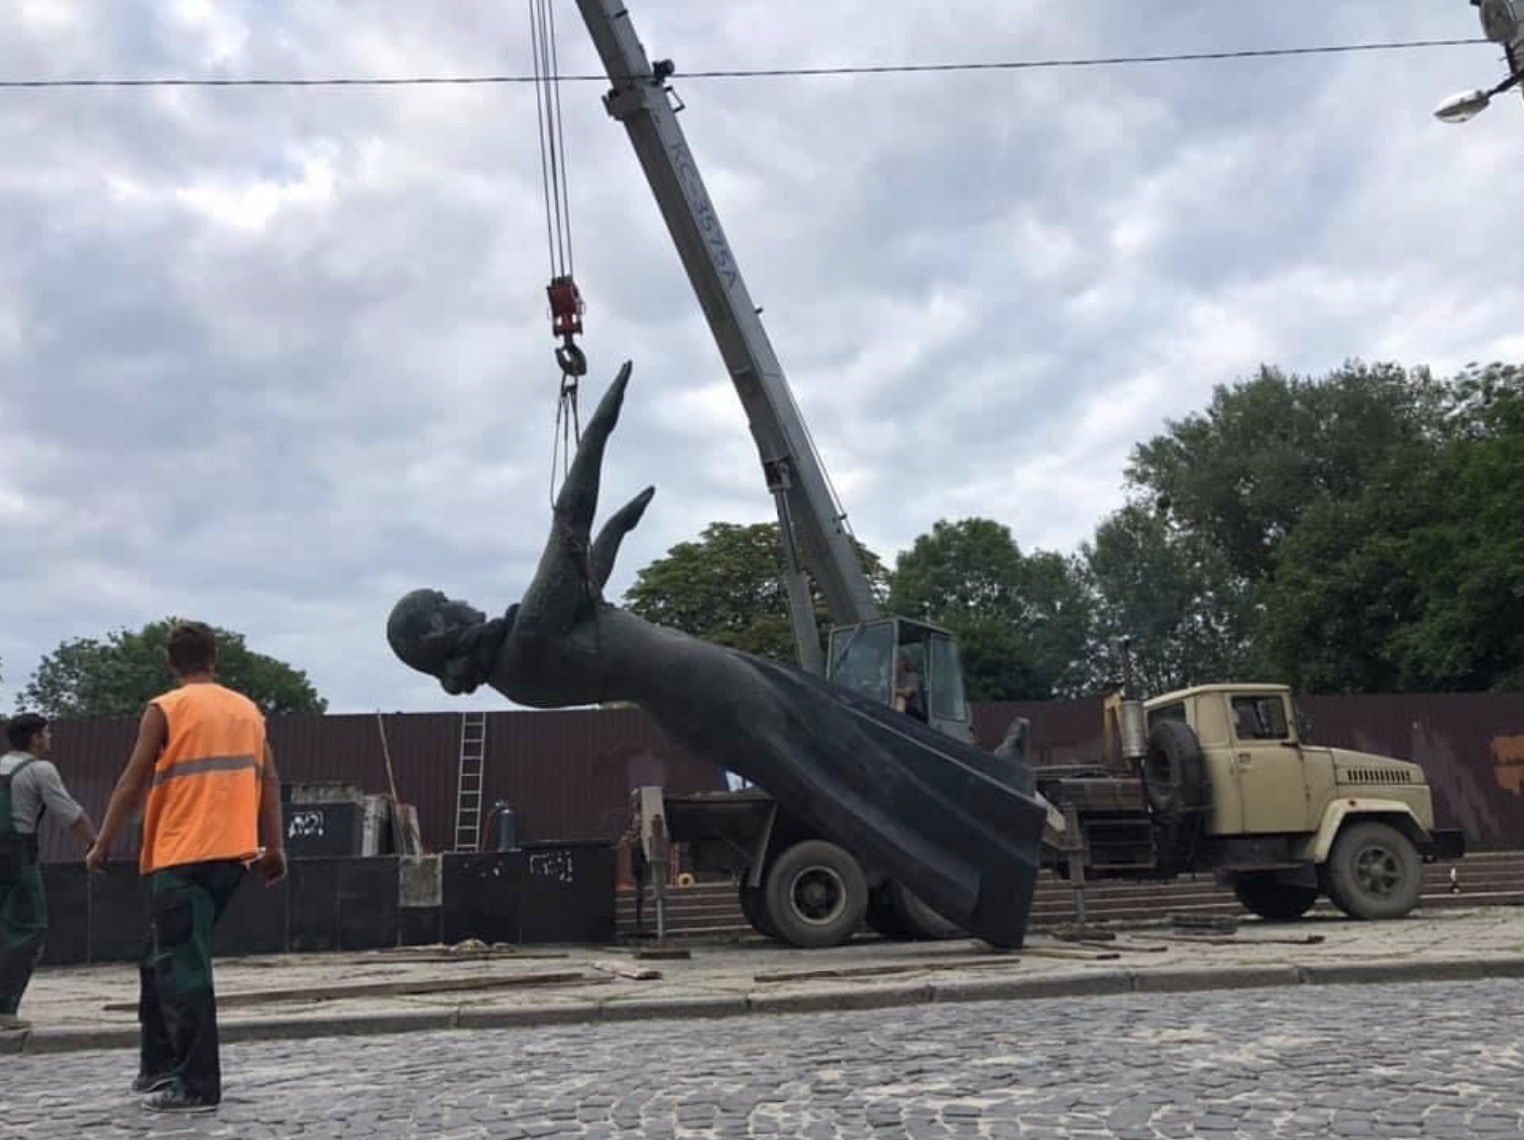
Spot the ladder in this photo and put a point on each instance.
(468, 794)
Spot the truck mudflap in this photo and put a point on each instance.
(1444, 845)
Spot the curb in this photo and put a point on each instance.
(1089, 983)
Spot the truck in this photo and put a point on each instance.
(1185, 793)
(1226, 782)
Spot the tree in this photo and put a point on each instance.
(729, 587)
(118, 676)
(1022, 621)
(1241, 474)
(1190, 618)
(1417, 582)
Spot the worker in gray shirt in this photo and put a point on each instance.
(29, 786)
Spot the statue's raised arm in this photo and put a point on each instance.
(957, 826)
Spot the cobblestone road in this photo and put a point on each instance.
(1387, 1062)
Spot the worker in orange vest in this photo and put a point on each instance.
(213, 795)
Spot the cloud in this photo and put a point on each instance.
(271, 357)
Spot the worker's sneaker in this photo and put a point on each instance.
(11, 1021)
(143, 1083)
(176, 1099)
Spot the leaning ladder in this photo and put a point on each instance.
(468, 794)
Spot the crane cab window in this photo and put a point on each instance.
(948, 701)
(862, 660)
(1260, 718)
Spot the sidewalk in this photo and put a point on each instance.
(303, 996)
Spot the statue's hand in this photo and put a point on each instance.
(606, 549)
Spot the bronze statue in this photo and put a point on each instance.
(957, 826)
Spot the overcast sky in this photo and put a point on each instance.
(270, 358)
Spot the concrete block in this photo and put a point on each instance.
(517, 1016)
(1089, 983)
(839, 998)
(1187, 979)
(1503, 966)
(420, 881)
(337, 1025)
(1404, 970)
(675, 1009)
(79, 1040)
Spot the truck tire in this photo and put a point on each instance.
(754, 907)
(1271, 900)
(919, 920)
(1174, 773)
(1374, 871)
(816, 895)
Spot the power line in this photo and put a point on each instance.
(763, 73)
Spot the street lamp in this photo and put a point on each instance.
(1469, 104)
(1502, 23)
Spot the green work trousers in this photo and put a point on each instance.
(23, 923)
(177, 1006)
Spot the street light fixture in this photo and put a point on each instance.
(1502, 23)
(1469, 104)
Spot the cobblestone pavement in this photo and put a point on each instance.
(1386, 1062)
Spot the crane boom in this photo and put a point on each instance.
(808, 513)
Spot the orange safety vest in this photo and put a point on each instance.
(203, 803)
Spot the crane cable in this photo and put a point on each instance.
(566, 305)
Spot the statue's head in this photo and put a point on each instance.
(444, 638)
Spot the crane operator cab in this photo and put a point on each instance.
(910, 666)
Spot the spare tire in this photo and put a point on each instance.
(1174, 771)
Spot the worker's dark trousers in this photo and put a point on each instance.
(177, 1006)
(23, 921)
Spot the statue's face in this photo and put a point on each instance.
(425, 628)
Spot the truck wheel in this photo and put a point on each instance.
(918, 919)
(1273, 901)
(754, 907)
(1374, 871)
(816, 895)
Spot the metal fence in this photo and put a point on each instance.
(568, 774)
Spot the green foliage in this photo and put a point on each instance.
(1188, 616)
(1022, 621)
(730, 587)
(1417, 582)
(1240, 475)
(119, 675)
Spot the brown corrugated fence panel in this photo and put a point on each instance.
(568, 774)
(1471, 746)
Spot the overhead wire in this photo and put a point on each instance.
(757, 73)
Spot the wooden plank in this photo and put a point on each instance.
(1075, 953)
(629, 970)
(1187, 939)
(400, 988)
